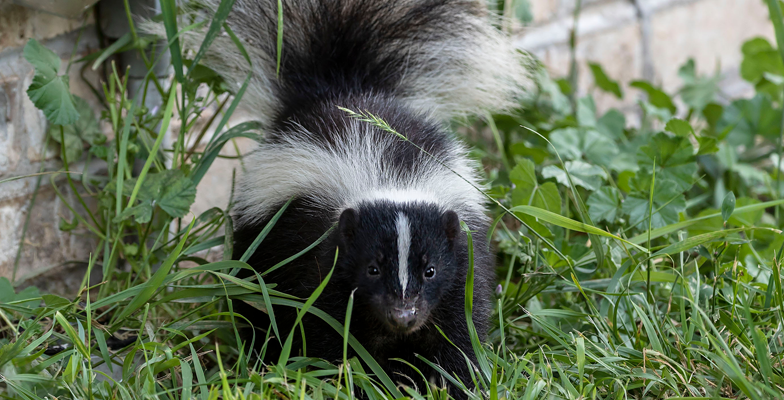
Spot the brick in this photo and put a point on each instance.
(710, 31)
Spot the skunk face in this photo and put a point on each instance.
(400, 258)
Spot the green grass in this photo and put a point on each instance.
(633, 262)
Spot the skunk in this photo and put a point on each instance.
(394, 206)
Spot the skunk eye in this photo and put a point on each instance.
(430, 272)
(373, 270)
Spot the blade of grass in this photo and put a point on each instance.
(218, 19)
(568, 223)
(156, 281)
(264, 232)
(169, 12)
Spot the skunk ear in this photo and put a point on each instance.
(348, 225)
(451, 224)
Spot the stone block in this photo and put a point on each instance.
(651, 6)
(544, 10)
(9, 108)
(18, 24)
(548, 10)
(710, 31)
(46, 248)
(593, 20)
(618, 51)
(23, 127)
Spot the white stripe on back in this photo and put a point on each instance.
(403, 244)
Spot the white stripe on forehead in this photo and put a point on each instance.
(403, 244)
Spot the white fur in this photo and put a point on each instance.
(479, 72)
(403, 229)
(350, 173)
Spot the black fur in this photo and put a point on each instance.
(334, 48)
(373, 240)
(355, 54)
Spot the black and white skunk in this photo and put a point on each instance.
(415, 64)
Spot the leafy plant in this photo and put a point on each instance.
(634, 261)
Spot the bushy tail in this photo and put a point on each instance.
(443, 57)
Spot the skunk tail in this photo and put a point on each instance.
(441, 57)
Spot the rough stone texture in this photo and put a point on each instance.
(711, 32)
(546, 10)
(617, 51)
(17, 24)
(47, 250)
(608, 33)
(646, 39)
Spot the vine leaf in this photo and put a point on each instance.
(49, 92)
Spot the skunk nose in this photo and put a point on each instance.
(404, 317)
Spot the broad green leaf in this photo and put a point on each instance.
(759, 57)
(177, 196)
(85, 129)
(652, 112)
(591, 144)
(141, 213)
(528, 191)
(612, 124)
(697, 91)
(583, 174)
(567, 142)
(668, 202)
(679, 127)
(7, 294)
(604, 82)
(49, 92)
(673, 157)
(742, 217)
(728, 206)
(45, 61)
(604, 204)
(171, 190)
(586, 112)
(656, 96)
(523, 176)
(749, 117)
(712, 113)
(708, 145)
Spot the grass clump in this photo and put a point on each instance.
(634, 262)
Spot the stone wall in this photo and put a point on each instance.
(646, 39)
(22, 134)
(631, 39)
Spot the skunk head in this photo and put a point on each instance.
(400, 258)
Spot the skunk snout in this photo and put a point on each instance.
(403, 315)
(404, 318)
